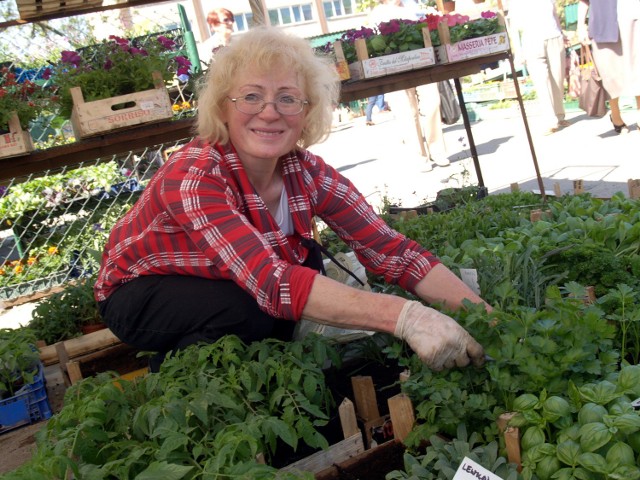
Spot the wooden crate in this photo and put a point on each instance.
(472, 47)
(101, 116)
(17, 141)
(35, 8)
(358, 421)
(367, 67)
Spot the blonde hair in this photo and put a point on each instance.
(266, 49)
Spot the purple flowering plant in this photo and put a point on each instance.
(402, 35)
(117, 66)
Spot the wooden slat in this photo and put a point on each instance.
(348, 419)
(402, 416)
(79, 346)
(341, 451)
(364, 394)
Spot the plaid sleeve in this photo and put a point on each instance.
(382, 250)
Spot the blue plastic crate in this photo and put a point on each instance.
(29, 405)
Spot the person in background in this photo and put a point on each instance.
(221, 240)
(543, 50)
(422, 104)
(220, 21)
(375, 101)
(613, 31)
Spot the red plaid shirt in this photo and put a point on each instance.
(201, 216)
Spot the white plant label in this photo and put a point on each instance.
(469, 470)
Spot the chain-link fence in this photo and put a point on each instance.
(53, 224)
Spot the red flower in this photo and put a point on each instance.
(488, 14)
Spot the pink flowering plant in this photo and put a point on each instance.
(462, 28)
(117, 66)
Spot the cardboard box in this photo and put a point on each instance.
(101, 116)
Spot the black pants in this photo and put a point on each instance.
(162, 313)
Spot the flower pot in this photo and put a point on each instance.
(16, 141)
(448, 7)
(101, 116)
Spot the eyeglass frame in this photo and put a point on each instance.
(302, 103)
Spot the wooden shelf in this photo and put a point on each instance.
(70, 11)
(132, 139)
(355, 90)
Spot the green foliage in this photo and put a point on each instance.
(442, 458)
(19, 360)
(207, 414)
(591, 432)
(60, 316)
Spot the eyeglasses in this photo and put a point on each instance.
(285, 104)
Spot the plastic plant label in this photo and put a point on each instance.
(470, 278)
(469, 470)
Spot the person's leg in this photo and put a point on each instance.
(380, 102)
(369, 110)
(539, 71)
(556, 58)
(616, 116)
(429, 102)
(168, 312)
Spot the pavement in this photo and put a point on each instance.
(384, 168)
(385, 164)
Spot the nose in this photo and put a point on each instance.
(273, 111)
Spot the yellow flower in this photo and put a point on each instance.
(18, 269)
(52, 250)
(175, 107)
(31, 260)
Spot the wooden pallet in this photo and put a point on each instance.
(34, 8)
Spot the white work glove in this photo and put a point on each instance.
(436, 338)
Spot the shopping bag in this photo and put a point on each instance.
(593, 96)
(449, 106)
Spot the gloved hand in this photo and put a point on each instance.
(436, 338)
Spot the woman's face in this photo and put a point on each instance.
(266, 135)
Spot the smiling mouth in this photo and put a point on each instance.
(267, 133)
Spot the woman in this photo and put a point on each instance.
(543, 49)
(614, 28)
(221, 240)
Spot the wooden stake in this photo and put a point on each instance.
(365, 397)
(515, 187)
(556, 190)
(578, 187)
(348, 420)
(402, 417)
(634, 188)
(511, 439)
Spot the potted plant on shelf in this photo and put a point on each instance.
(67, 314)
(21, 102)
(118, 83)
